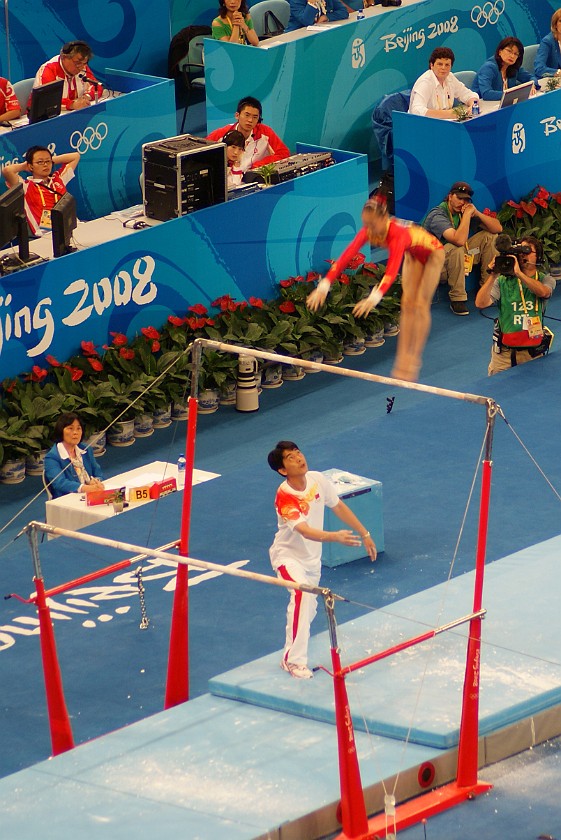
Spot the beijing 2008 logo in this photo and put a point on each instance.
(358, 56)
(518, 138)
(89, 138)
(488, 13)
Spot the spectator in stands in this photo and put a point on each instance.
(235, 146)
(262, 145)
(435, 92)
(72, 66)
(43, 187)
(548, 56)
(503, 71)
(70, 468)
(9, 105)
(308, 12)
(234, 23)
(520, 293)
(468, 236)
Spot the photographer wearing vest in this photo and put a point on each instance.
(520, 291)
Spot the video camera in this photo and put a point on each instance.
(504, 261)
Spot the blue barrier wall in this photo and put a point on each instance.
(188, 12)
(127, 34)
(502, 155)
(138, 280)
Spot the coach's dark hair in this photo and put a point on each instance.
(275, 456)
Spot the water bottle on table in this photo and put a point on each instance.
(475, 108)
(181, 466)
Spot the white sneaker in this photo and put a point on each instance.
(301, 672)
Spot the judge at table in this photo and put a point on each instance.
(503, 71)
(70, 468)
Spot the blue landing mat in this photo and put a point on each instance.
(421, 688)
(208, 769)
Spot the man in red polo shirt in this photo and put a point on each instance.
(72, 66)
(43, 187)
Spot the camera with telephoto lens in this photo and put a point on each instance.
(504, 261)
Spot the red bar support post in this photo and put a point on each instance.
(469, 726)
(177, 683)
(467, 785)
(353, 809)
(59, 720)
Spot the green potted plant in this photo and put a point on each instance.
(39, 406)
(536, 214)
(17, 440)
(215, 371)
(267, 171)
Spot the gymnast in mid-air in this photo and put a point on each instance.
(423, 259)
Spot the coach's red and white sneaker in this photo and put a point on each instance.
(300, 672)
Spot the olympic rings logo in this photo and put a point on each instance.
(90, 138)
(489, 13)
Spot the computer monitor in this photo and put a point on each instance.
(46, 101)
(518, 93)
(63, 222)
(13, 225)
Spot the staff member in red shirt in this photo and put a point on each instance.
(72, 66)
(423, 258)
(9, 104)
(43, 188)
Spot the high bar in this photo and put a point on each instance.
(355, 374)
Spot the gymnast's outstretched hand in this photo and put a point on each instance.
(316, 299)
(364, 306)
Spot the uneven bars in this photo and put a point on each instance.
(424, 637)
(355, 374)
(187, 561)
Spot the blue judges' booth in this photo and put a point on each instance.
(140, 279)
(504, 154)
(109, 137)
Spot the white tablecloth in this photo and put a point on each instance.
(72, 512)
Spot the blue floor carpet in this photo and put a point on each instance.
(425, 452)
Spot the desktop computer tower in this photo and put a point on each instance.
(182, 174)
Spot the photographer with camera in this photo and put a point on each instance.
(520, 290)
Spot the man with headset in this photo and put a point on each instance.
(71, 65)
(262, 145)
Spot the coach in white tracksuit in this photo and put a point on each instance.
(296, 551)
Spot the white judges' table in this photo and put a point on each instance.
(72, 512)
